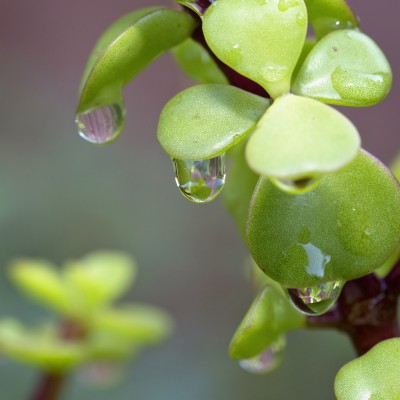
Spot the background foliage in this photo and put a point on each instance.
(61, 197)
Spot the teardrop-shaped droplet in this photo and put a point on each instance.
(296, 186)
(266, 361)
(316, 300)
(101, 125)
(200, 181)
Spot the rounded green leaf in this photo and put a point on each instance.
(239, 186)
(100, 277)
(204, 121)
(307, 47)
(345, 228)
(196, 63)
(329, 15)
(373, 376)
(345, 67)
(299, 138)
(126, 48)
(141, 324)
(41, 281)
(40, 347)
(261, 40)
(270, 315)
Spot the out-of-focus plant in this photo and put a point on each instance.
(91, 329)
(320, 216)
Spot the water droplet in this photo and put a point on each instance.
(200, 181)
(316, 300)
(101, 125)
(273, 73)
(296, 186)
(284, 5)
(266, 361)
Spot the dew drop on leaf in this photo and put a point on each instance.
(101, 125)
(316, 300)
(267, 360)
(296, 186)
(200, 181)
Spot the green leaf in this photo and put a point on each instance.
(299, 138)
(329, 15)
(139, 323)
(345, 67)
(40, 280)
(270, 315)
(308, 46)
(126, 48)
(239, 186)
(193, 5)
(389, 264)
(104, 345)
(100, 277)
(40, 347)
(373, 376)
(261, 40)
(204, 121)
(345, 228)
(196, 63)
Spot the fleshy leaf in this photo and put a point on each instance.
(39, 347)
(299, 138)
(203, 121)
(308, 46)
(196, 63)
(105, 345)
(345, 228)
(329, 15)
(126, 48)
(141, 324)
(373, 376)
(41, 281)
(239, 186)
(345, 67)
(261, 40)
(100, 277)
(270, 315)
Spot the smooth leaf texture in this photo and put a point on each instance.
(141, 324)
(262, 40)
(307, 47)
(329, 15)
(126, 48)
(345, 67)
(239, 186)
(345, 228)
(100, 277)
(196, 63)
(270, 315)
(373, 376)
(204, 121)
(40, 347)
(299, 138)
(40, 280)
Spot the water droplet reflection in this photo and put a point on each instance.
(316, 300)
(296, 186)
(200, 181)
(266, 361)
(101, 125)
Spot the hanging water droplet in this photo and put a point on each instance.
(266, 361)
(200, 181)
(316, 300)
(296, 186)
(101, 125)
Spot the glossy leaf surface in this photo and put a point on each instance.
(374, 376)
(204, 121)
(126, 48)
(345, 67)
(270, 315)
(307, 47)
(345, 228)
(300, 138)
(262, 40)
(330, 15)
(196, 63)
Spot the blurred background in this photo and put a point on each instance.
(61, 197)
